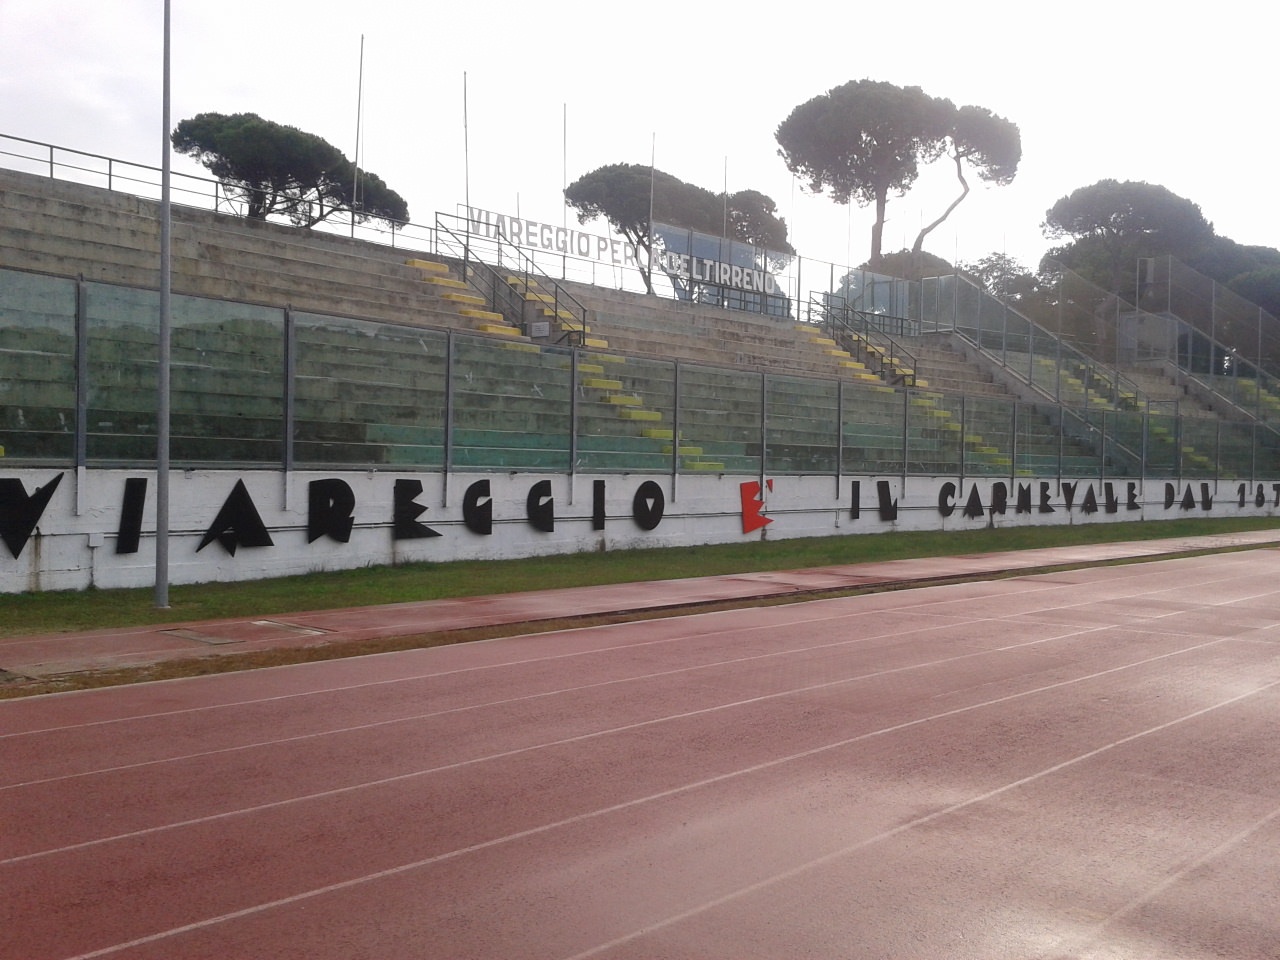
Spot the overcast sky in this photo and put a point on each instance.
(1119, 89)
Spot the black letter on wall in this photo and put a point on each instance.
(237, 523)
(999, 499)
(888, 505)
(1069, 494)
(973, 506)
(477, 508)
(540, 508)
(1045, 505)
(19, 513)
(648, 505)
(597, 505)
(405, 513)
(1090, 504)
(946, 499)
(130, 531)
(1112, 503)
(1024, 498)
(331, 506)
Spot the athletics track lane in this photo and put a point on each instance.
(1076, 764)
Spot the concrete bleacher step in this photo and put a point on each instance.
(215, 255)
(488, 316)
(429, 267)
(450, 282)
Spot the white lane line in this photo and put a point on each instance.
(533, 748)
(685, 788)
(1074, 945)
(888, 635)
(835, 855)
(635, 678)
(910, 605)
(433, 675)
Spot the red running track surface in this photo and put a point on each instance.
(1079, 764)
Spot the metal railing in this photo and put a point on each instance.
(850, 327)
(510, 280)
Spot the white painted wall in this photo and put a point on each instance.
(73, 544)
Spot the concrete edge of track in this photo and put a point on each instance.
(40, 659)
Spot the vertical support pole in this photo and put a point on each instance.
(675, 424)
(1217, 451)
(1013, 443)
(573, 414)
(839, 435)
(289, 414)
(1146, 447)
(82, 395)
(764, 424)
(448, 415)
(906, 432)
(82, 376)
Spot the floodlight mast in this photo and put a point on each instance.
(163, 349)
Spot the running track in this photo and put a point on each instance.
(1080, 764)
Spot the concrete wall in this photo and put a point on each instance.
(65, 529)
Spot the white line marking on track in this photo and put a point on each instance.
(685, 788)
(902, 828)
(335, 731)
(915, 606)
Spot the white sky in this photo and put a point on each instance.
(1132, 91)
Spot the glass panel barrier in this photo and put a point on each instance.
(719, 416)
(37, 367)
(988, 437)
(368, 393)
(1162, 445)
(1199, 447)
(1039, 444)
(1083, 443)
(122, 358)
(872, 429)
(511, 405)
(226, 384)
(802, 425)
(626, 414)
(934, 435)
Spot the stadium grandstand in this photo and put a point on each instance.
(462, 390)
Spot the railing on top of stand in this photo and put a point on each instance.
(844, 323)
(510, 279)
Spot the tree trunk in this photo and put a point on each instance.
(877, 230)
(919, 244)
(643, 244)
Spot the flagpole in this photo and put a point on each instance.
(466, 149)
(355, 161)
(653, 154)
(466, 181)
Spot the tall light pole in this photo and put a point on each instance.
(162, 347)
